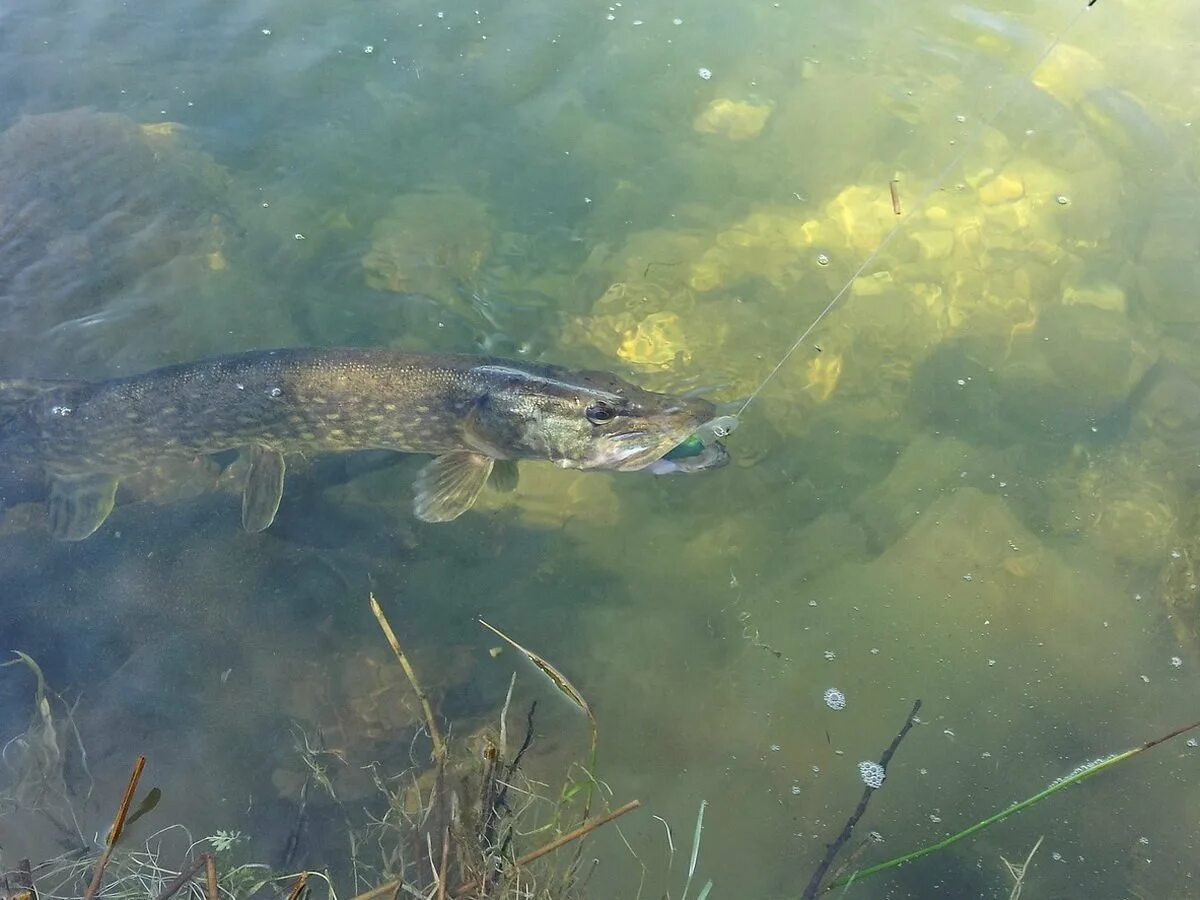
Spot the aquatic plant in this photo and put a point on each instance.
(431, 840)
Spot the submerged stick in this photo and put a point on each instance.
(445, 862)
(439, 746)
(832, 850)
(894, 185)
(114, 833)
(582, 831)
(189, 871)
(1075, 777)
(25, 871)
(298, 888)
(210, 876)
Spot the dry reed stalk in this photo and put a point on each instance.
(182, 878)
(298, 887)
(439, 746)
(582, 831)
(114, 833)
(210, 876)
(445, 862)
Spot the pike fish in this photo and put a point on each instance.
(476, 415)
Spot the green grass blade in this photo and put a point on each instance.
(1080, 774)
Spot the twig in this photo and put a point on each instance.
(298, 887)
(439, 747)
(582, 831)
(26, 879)
(1075, 777)
(894, 186)
(182, 878)
(445, 860)
(210, 876)
(114, 833)
(832, 850)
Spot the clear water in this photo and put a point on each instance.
(974, 486)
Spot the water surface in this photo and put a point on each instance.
(973, 486)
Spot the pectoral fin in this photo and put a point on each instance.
(504, 476)
(264, 488)
(447, 487)
(79, 504)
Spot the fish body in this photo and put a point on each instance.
(476, 415)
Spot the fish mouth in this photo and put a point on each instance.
(709, 432)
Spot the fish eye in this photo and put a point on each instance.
(600, 413)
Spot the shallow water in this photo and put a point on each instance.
(973, 486)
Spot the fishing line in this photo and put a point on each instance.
(917, 208)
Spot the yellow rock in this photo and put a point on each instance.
(863, 215)
(1010, 217)
(1068, 74)
(873, 285)
(823, 371)
(1102, 296)
(216, 261)
(734, 119)
(657, 340)
(161, 129)
(706, 275)
(934, 244)
(1004, 188)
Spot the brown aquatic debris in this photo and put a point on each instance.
(894, 186)
(582, 831)
(210, 876)
(439, 746)
(832, 850)
(298, 887)
(188, 873)
(114, 833)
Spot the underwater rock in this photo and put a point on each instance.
(863, 214)
(1004, 188)
(737, 120)
(657, 340)
(1168, 267)
(928, 468)
(1078, 364)
(1168, 408)
(431, 242)
(968, 563)
(1123, 502)
(89, 203)
(1101, 295)
(1068, 74)
(548, 498)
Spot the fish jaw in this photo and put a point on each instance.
(648, 439)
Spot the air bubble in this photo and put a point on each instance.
(835, 699)
(871, 773)
(1062, 200)
(822, 259)
(704, 73)
(275, 392)
(1176, 662)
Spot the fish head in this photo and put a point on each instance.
(578, 419)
